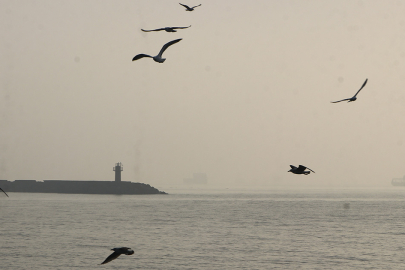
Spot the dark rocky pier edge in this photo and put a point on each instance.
(79, 187)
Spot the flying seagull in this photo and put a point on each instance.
(189, 8)
(4, 191)
(158, 58)
(354, 97)
(117, 252)
(167, 29)
(300, 170)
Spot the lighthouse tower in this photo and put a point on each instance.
(118, 169)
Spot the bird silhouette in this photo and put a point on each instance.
(189, 8)
(300, 170)
(353, 98)
(4, 191)
(158, 58)
(117, 252)
(167, 29)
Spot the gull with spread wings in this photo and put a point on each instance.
(352, 98)
(189, 8)
(117, 252)
(167, 29)
(158, 58)
(300, 170)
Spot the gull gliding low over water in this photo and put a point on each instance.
(158, 58)
(189, 8)
(167, 29)
(117, 252)
(300, 170)
(354, 97)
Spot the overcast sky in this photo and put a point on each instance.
(245, 94)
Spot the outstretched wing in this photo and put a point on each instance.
(310, 170)
(167, 45)
(113, 256)
(180, 27)
(293, 167)
(159, 29)
(340, 100)
(364, 84)
(185, 6)
(4, 191)
(139, 56)
(196, 6)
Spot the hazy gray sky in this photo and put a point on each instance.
(245, 94)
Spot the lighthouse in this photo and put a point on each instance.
(118, 169)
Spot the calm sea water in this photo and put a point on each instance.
(223, 230)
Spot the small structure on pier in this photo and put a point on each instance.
(118, 169)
